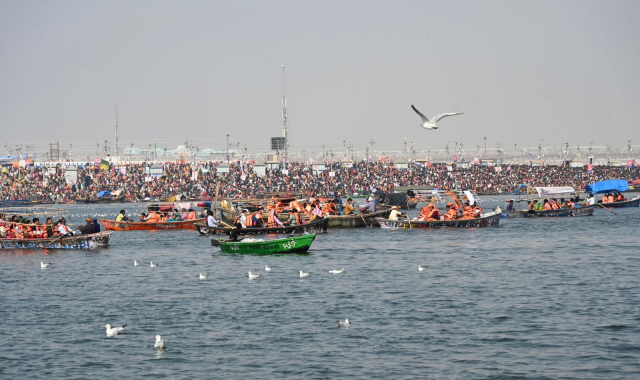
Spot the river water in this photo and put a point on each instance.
(532, 298)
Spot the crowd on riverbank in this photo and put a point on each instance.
(134, 182)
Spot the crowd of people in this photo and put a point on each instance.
(20, 227)
(133, 182)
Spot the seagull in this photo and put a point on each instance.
(336, 271)
(136, 263)
(154, 265)
(304, 274)
(204, 276)
(254, 276)
(161, 344)
(431, 124)
(115, 330)
(44, 265)
(267, 268)
(421, 268)
(344, 324)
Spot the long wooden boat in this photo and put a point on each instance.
(290, 244)
(357, 221)
(147, 226)
(317, 226)
(619, 204)
(578, 211)
(487, 220)
(97, 240)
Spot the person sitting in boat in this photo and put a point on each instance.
(37, 230)
(192, 214)
(591, 200)
(294, 218)
(349, 208)
(122, 218)
(433, 214)
(424, 212)
(607, 198)
(395, 214)
(152, 217)
(96, 224)
(211, 220)
(316, 213)
(619, 197)
(50, 227)
(295, 204)
(257, 219)
(88, 228)
(451, 213)
(63, 229)
(509, 205)
(330, 208)
(371, 205)
(185, 214)
(241, 220)
(272, 219)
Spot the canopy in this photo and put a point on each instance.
(608, 186)
(396, 199)
(104, 193)
(552, 191)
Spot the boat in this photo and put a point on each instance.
(549, 192)
(357, 220)
(290, 244)
(610, 186)
(491, 219)
(402, 200)
(90, 241)
(316, 226)
(148, 226)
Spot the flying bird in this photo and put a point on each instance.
(344, 324)
(254, 276)
(161, 344)
(304, 274)
(115, 330)
(431, 124)
(336, 271)
(44, 265)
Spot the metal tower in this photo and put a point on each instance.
(284, 117)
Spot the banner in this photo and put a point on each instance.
(104, 164)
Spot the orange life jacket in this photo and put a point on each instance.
(192, 215)
(271, 220)
(154, 217)
(249, 221)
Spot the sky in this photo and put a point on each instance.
(524, 73)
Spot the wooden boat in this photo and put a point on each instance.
(487, 220)
(97, 240)
(620, 204)
(357, 221)
(146, 226)
(290, 244)
(578, 211)
(316, 226)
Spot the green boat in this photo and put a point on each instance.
(290, 244)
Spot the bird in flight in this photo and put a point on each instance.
(431, 124)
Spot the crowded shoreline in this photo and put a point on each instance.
(135, 182)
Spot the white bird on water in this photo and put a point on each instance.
(154, 265)
(304, 274)
(421, 268)
(254, 276)
(160, 343)
(344, 324)
(336, 271)
(115, 330)
(136, 263)
(267, 268)
(204, 276)
(44, 265)
(431, 124)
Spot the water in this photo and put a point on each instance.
(535, 299)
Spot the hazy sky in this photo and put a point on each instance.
(519, 70)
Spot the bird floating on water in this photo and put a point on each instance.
(204, 276)
(154, 265)
(336, 271)
(267, 268)
(304, 274)
(431, 124)
(136, 263)
(44, 265)
(254, 276)
(421, 268)
(344, 324)
(160, 343)
(115, 330)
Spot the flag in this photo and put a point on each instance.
(104, 164)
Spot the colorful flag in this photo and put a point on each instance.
(104, 164)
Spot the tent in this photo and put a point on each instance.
(608, 186)
(104, 193)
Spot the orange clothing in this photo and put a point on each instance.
(153, 217)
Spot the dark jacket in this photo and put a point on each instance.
(88, 228)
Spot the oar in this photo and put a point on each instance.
(60, 238)
(364, 221)
(611, 211)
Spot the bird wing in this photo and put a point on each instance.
(442, 115)
(424, 118)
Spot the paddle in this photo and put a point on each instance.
(611, 211)
(60, 238)
(364, 221)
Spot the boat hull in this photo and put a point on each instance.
(311, 227)
(620, 204)
(90, 241)
(145, 226)
(293, 244)
(357, 221)
(489, 220)
(578, 211)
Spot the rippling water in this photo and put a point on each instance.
(536, 299)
